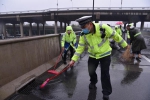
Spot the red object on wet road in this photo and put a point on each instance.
(49, 79)
(53, 72)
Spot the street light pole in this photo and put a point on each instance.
(121, 3)
(57, 9)
(110, 4)
(93, 11)
(57, 5)
(5, 7)
(72, 4)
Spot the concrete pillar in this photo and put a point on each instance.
(30, 29)
(14, 30)
(21, 29)
(142, 25)
(134, 24)
(56, 27)
(38, 29)
(43, 28)
(1, 29)
(64, 26)
(67, 24)
(60, 26)
(4, 31)
(125, 25)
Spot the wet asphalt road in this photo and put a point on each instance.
(130, 81)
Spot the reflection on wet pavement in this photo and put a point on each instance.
(130, 81)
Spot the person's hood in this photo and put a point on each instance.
(116, 26)
(69, 28)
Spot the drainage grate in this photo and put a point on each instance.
(13, 97)
(29, 87)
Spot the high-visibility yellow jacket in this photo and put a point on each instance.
(98, 47)
(118, 30)
(68, 38)
(128, 35)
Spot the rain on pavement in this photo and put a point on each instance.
(130, 81)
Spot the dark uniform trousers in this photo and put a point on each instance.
(105, 77)
(71, 51)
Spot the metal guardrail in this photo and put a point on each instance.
(76, 8)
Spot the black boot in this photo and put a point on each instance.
(105, 97)
(138, 59)
(92, 86)
(65, 62)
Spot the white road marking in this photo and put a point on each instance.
(146, 58)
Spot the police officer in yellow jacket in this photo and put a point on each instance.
(97, 36)
(68, 42)
(128, 37)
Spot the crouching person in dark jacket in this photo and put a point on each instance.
(137, 41)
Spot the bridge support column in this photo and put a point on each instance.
(65, 26)
(134, 24)
(4, 31)
(60, 26)
(30, 29)
(56, 27)
(1, 27)
(21, 29)
(38, 29)
(125, 25)
(142, 25)
(14, 30)
(44, 28)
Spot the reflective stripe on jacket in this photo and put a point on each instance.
(98, 47)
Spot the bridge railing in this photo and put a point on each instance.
(76, 8)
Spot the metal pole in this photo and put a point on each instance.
(93, 11)
(5, 7)
(121, 3)
(57, 5)
(72, 4)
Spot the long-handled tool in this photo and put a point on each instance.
(53, 71)
(58, 73)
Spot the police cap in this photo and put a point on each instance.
(131, 25)
(84, 20)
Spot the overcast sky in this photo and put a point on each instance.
(23, 5)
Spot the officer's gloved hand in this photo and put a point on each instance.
(62, 48)
(72, 43)
(102, 32)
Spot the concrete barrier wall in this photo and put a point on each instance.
(20, 56)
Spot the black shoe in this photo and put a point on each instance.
(65, 62)
(138, 59)
(92, 86)
(105, 97)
